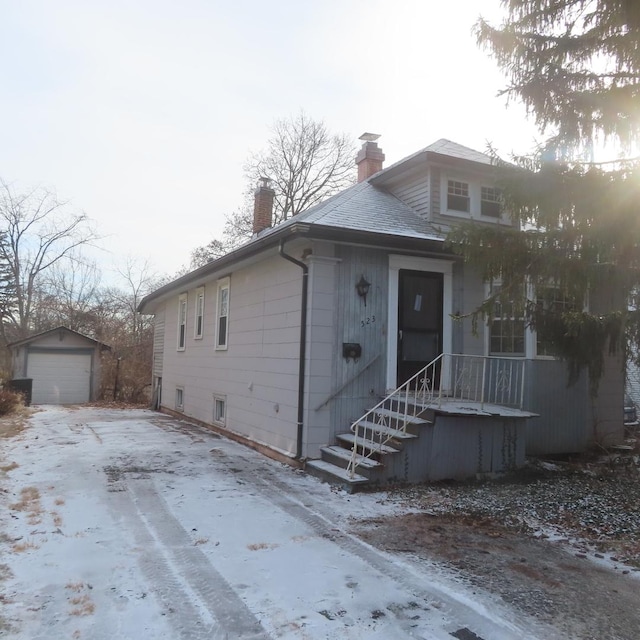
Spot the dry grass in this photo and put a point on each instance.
(74, 586)
(261, 545)
(14, 424)
(58, 502)
(21, 547)
(82, 606)
(9, 467)
(201, 541)
(29, 501)
(57, 519)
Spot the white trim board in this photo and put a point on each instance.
(412, 263)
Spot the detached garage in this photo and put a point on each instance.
(64, 366)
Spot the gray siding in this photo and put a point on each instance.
(414, 192)
(158, 343)
(563, 423)
(257, 373)
(361, 389)
(434, 180)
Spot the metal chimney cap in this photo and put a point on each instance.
(369, 137)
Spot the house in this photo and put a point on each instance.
(64, 366)
(291, 342)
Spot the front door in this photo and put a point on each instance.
(420, 311)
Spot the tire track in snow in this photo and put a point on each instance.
(323, 521)
(202, 604)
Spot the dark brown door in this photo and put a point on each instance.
(419, 321)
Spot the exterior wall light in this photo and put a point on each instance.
(362, 287)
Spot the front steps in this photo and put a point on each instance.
(375, 452)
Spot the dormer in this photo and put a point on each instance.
(446, 182)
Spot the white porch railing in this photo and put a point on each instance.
(449, 378)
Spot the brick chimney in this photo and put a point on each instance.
(370, 157)
(263, 205)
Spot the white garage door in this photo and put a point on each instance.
(59, 378)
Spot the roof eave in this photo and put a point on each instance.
(311, 231)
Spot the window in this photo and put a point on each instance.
(182, 322)
(199, 323)
(490, 202)
(458, 196)
(507, 331)
(219, 409)
(222, 314)
(179, 399)
(549, 299)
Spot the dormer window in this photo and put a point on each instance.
(458, 196)
(490, 202)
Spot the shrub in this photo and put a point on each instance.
(9, 401)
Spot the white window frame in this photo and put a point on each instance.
(532, 336)
(223, 285)
(182, 322)
(495, 198)
(198, 323)
(489, 324)
(219, 417)
(414, 263)
(179, 399)
(475, 185)
(457, 185)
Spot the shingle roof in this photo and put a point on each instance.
(455, 150)
(364, 207)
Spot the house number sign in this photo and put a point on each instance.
(368, 320)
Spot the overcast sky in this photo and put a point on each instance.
(143, 112)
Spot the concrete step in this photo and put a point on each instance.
(367, 445)
(342, 457)
(389, 432)
(398, 415)
(333, 474)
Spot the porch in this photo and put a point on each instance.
(458, 417)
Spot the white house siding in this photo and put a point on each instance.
(257, 374)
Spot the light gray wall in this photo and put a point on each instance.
(257, 374)
(366, 326)
(414, 191)
(321, 355)
(158, 342)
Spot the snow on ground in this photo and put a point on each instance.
(126, 524)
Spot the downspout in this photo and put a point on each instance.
(303, 344)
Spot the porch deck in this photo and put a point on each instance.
(462, 407)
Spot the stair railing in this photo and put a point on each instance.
(479, 380)
(409, 399)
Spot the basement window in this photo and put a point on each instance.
(179, 399)
(219, 410)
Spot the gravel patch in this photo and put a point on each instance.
(558, 541)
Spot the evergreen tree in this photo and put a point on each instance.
(575, 64)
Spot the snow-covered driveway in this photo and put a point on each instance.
(130, 524)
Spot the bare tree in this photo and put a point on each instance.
(68, 295)
(306, 164)
(40, 231)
